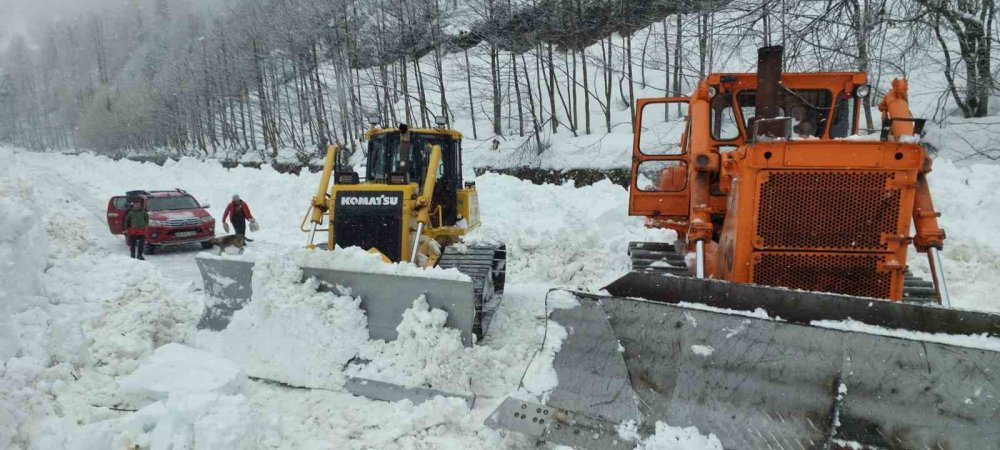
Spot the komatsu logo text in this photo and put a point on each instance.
(378, 200)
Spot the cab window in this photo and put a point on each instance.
(724, 126)
(808, 109)
(842, 124)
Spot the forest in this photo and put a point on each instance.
(261, 78)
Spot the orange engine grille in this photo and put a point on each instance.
(826, 210)
(830, 272)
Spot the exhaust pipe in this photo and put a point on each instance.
(768, 102)
(768, 82)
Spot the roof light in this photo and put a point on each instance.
(862, 91)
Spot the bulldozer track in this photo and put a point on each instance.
(486, 265)
(662, 257)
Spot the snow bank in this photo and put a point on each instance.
(68, 306)
(23, 253)
(968, 199)
(291, 332)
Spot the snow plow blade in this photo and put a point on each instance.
(774, 381)
(384, 297)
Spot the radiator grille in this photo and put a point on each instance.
(831, 272)
(184, 221)
(826, 210)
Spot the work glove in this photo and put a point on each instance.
(225, 226)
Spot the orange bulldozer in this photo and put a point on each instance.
(785, 315)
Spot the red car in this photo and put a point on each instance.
(175, 218)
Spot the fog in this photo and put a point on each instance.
(27, 18)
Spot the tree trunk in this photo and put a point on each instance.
(472, 103)
(535, 129)
(517, 93)
(552, 89)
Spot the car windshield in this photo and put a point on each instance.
(166, 203)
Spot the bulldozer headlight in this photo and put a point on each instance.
(862, 91)
(347, 178)
(397, 178)
(712, 91)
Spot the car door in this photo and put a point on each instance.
(117, 208)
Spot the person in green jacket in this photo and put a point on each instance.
(136, 222)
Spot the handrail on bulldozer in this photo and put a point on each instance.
(319, 206)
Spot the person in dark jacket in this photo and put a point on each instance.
(136, 222)
(238, 213)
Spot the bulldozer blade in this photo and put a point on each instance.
(389, 392)
(384, 297)
(802, 306)
(758, 382)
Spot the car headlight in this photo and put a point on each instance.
(207, 219)
(157, 223)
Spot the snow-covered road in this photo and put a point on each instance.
(77, 316)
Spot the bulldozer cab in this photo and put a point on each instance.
(390, 163)
(813, 106)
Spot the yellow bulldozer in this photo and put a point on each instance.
(784, 317)
(411, 206)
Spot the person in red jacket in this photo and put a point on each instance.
(238, 213)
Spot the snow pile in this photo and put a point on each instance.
(429, 354)
(27, 399)
(291, 332)
(560, 234)
(189, 399)
(140, 319)
(193, 420)
(426, 353)
(669, 438)
(175, 368)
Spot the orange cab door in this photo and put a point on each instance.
(659, 183)
(117, 209)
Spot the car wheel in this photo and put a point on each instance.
(206, 245)
(150, 249)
